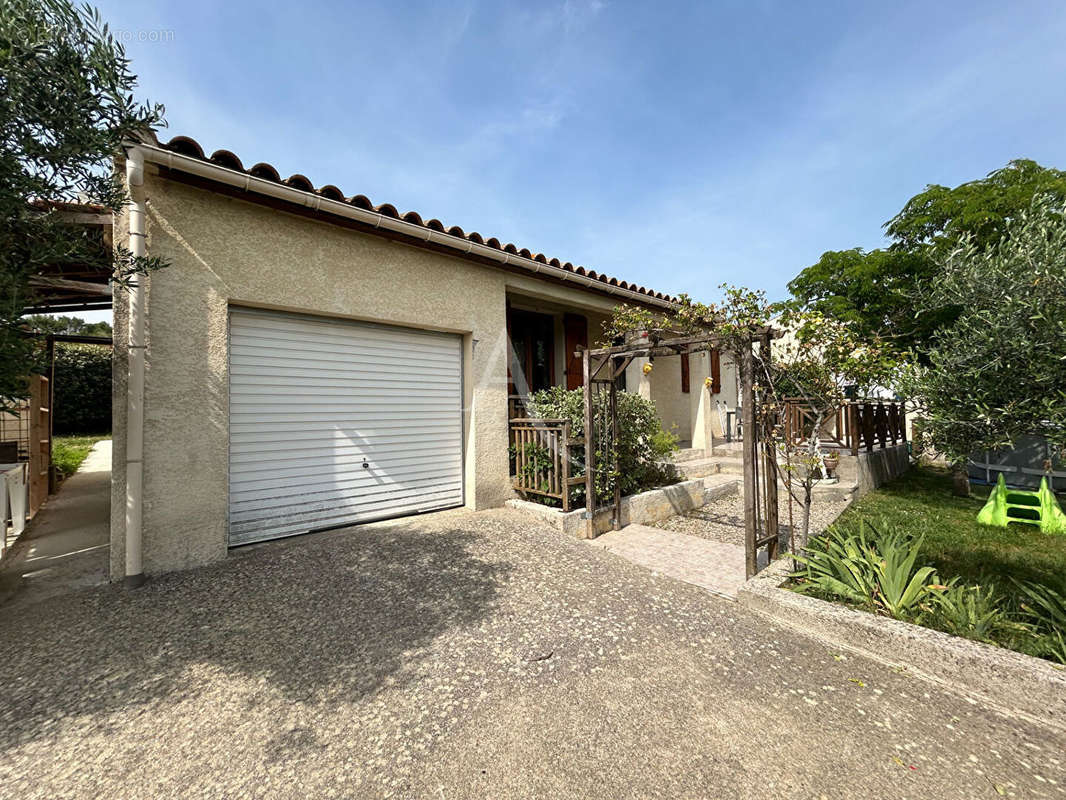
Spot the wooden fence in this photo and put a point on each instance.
(540, 450)
(26, 438)
(854, 425)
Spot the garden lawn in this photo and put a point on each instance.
(69, 451)
(921, 503)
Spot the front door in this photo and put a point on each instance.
(532, 352)
(577, 335)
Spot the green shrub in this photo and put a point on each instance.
(82, 389)
(642, 445)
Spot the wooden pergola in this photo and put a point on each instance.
(761, 524)
(74, 286)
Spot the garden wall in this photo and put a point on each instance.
(878, 467)
(644, 509)
(1013, 682)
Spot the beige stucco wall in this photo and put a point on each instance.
(694, 416)
(225, 251)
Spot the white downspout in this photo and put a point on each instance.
(135, 385)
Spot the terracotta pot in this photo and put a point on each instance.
(831, 461)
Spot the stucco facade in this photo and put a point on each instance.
(225, 252)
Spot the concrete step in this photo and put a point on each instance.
(689, 454)
(718, 486)
(733, 465)
(698, 468)
(834, 492)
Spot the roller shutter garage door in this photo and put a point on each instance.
(335, 422)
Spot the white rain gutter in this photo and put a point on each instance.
(249, 183)
(135, 385)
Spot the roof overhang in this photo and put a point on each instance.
(240, 183)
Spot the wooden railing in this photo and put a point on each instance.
(516, 406)
(854, 425)
(540, 450)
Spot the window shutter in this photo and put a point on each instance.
(716, 372)
(684, 373)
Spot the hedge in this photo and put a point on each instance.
(82, 389)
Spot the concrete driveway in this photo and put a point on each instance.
(469, 655)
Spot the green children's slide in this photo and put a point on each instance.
(1039, 508)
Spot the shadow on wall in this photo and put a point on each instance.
(329, 620)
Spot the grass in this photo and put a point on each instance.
(920, 502)
(69, 451)
(973, 589)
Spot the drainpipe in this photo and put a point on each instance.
(135, 386)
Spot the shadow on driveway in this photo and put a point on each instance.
(329, 620)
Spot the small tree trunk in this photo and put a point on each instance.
(805, 533)
(960, 480)
(808, 479)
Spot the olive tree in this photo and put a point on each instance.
(999, 371)
(66, 105)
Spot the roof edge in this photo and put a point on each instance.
(185, 158)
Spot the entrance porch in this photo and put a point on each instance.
(695, 395)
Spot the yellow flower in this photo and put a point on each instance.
(647, 369)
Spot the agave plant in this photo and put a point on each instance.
(901, 587)
(839, 564)
(877, 571)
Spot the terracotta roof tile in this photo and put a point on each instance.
(224, 158)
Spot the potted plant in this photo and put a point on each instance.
(831, 461)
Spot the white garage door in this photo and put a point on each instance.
(334, 422)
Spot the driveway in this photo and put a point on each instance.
(469, 655)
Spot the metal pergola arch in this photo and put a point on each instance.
(761, 524)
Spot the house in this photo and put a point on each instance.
(311, 360)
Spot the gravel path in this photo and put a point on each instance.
(469, 655)
(723, 520)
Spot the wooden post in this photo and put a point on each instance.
(590, 465)
(565, 451)
(868, 426)
(770, 468)
(853, 427)
(751, 491)
(617, 520)
(52, 486)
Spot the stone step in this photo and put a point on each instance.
(689, 454)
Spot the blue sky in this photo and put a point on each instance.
(677, 146)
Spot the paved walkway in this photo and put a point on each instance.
(717, 567)
(65, 547)
(471, 655)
